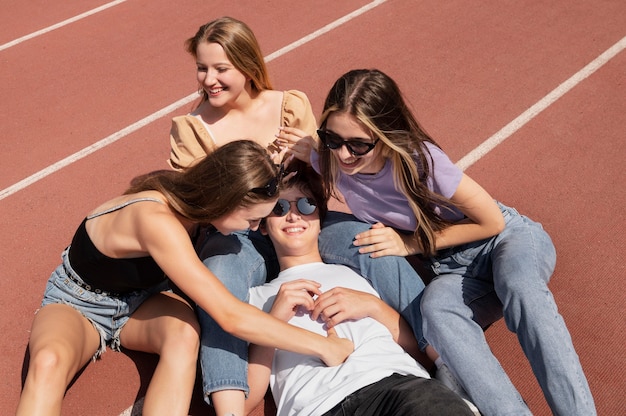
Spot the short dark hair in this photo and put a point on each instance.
(309, 182)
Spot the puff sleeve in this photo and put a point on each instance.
(189, 142)
(297, 112)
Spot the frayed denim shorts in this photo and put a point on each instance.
(108, 313)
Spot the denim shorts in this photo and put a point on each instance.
(107, 313)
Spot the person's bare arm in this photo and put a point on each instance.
(168, 243)
(484, 220)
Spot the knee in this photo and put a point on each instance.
(46, 364)
(436, 290)
(183, 340)
(435, 298)
(340, 234)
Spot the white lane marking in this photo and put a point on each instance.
(60, 24)
(24, 183)
(508, 130)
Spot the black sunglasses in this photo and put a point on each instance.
(271, 188)
(306, 206)
(357, 147)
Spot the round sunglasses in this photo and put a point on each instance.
(357, 147)
(306, 206)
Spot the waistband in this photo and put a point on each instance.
(87, 287)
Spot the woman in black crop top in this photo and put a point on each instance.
(121, 258)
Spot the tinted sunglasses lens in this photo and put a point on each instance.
(281, 208)
(330, 140)
(358, 148)
(306, 206)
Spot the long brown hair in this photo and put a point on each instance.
(375, 100)
(240, 45)
(218, 184)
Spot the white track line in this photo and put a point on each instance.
(506, 131)
(24, 183)
(135, 410)
(467, 161)
(60, 24)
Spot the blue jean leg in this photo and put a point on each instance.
(394, 279)
(516, 266)
(237, 261)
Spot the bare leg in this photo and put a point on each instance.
(166, 325)
(227, 402)
(62, 341)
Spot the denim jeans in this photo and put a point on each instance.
(240, 261)
(400, 395)
(247, 259)
(506, 275)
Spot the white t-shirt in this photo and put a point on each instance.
(304, 385)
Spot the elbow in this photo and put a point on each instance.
(499, 225)
(232, 326)
(236, 325)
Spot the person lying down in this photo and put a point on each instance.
(379, 377)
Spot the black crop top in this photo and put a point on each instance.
(107, 273)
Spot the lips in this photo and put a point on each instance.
(348, 165)
(215, 91)
(294, 230)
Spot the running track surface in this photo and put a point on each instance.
(527, 96)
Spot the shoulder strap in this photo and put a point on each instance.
(120, 206)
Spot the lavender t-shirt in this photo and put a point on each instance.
(374, 198)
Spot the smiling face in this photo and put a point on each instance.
(243, 218)
(219, 78)
(295, 234)
(348, 128)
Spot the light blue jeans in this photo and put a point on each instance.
(247, 259)
(506, 275)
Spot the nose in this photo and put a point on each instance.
(209, 78)
(343, 151)
(293, 214)
(254, 225)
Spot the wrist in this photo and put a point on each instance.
(411, 245)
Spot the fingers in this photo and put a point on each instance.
(302, 284)
(294, 295)
(332, 332)
(290, 134)
(379, 241)
(341, 304)
(296, 142)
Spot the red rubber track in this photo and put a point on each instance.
(468, 68)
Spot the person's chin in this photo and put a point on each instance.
(349, 168)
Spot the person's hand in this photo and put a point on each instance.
(297, 142)
(279, 154)
(293, 295)
(340, 349)
(340, 304)
(381, 240)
